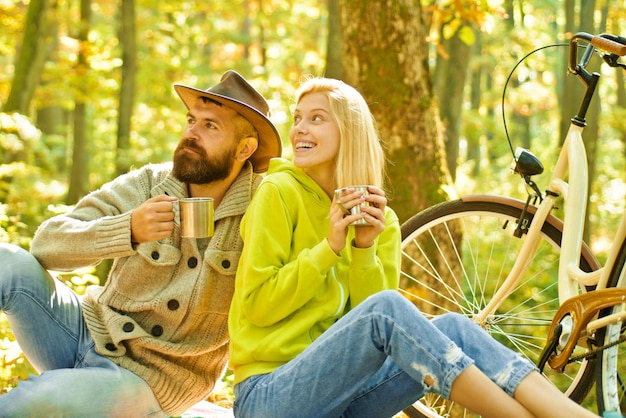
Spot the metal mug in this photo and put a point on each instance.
(355, 209)
(196, 217)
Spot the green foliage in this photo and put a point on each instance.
(13, 365)
(189, 42)
(28, 195)
(26, 187)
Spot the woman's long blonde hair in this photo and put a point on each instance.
(361, 159)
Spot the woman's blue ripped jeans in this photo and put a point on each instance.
(376, 360)
(75, 381)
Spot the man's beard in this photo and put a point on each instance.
(201, 169)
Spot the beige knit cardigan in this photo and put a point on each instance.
(162, 313)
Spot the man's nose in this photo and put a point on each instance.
(192, 131)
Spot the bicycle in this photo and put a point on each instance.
(572, 329)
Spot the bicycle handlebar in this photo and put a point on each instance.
(614, 46)
(609, 43)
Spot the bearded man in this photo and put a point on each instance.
(154, 339)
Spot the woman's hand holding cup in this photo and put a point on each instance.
(364, 206)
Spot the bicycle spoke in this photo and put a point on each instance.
(447, 272)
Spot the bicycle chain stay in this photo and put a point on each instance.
(582, 309)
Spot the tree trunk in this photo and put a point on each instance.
(79, 176)
(53, 121)
(621, 101)
(476, 132)
(592, 131)
(385, 58)
(570, 90)
(334, 66)
(32, 56)
(127, 91)
(451, 75)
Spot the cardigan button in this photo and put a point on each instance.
(128, 327)
(172, 304)
(155, 255)
(157, 330)
(110, 346)
(226, 264)
(192, 262)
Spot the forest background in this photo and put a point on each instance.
(86, 94)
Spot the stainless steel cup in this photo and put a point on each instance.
(355, 209)
(196, 217)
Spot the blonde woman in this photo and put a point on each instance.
(317, 326)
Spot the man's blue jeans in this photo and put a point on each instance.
(47, 321)
(378, 359)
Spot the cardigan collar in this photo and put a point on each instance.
(235, 201)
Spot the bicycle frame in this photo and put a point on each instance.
(570, 275)
(569, 180)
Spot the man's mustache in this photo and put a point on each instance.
(192, 145)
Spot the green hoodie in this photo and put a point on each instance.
(290, 285)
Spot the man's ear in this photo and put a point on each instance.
(246, 147)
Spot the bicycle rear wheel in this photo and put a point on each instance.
(456, 255)
(611, 369)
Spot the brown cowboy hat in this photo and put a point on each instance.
(234, 92)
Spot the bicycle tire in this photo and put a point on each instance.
(610, 372)
(473, 267)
